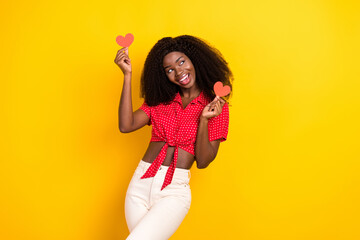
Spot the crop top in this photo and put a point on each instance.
(178, 127)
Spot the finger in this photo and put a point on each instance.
(214, 111)
(124, 55)
(223, 104)
(217, 98)
(212, 104)
(125, 51)
(208, 106)
(216, 103)
(122, 49)
(119, 56)
(127, 60)
(212, 107)
(218, 108)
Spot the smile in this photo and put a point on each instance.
(185, 80)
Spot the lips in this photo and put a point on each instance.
(182, 77)
(185, 79)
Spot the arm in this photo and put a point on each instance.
(126, 117)
(128, 120)
(206, 150)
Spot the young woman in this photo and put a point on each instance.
(188, 123)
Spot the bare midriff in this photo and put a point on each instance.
(185, 159)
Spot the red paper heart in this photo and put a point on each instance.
(125, 41)
(221, 90)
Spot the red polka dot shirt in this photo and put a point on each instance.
(178, 127)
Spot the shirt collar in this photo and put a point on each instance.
(200, 99)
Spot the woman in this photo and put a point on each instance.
(188, 123)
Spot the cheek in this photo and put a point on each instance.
(190, 67)
(170, 77)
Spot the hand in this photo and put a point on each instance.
(214, 108)
(123, 61)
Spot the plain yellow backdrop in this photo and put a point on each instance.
(289, 169)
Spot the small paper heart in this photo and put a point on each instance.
(221, 90)
(125, 41)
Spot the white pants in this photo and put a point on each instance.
(152, 214)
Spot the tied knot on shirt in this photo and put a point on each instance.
(172, 143)
(154, 167)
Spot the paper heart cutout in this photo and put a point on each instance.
(221, 90)
(125, 41)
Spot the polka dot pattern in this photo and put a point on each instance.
(178, 127)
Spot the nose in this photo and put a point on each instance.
(178, 70)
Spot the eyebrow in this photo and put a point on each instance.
(175, 62)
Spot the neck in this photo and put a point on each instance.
(190, 92)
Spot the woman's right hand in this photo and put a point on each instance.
(123, 61)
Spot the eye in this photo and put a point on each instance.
(170, 70)
(182, 62)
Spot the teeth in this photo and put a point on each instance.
(183, 78)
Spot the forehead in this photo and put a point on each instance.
(173, 56)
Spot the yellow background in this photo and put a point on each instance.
(289, 169)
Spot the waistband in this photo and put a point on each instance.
(180, 173)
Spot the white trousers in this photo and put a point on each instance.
(152, 214)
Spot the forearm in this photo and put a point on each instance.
(204, 151)
(125, 107)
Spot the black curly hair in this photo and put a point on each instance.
(209, 64)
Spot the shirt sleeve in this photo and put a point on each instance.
(218, 126)
(147, 109)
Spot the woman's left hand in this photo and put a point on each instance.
(214, 108)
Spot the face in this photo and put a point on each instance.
(179, 69)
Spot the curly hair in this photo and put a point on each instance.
(210, 67)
